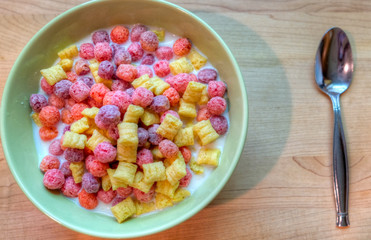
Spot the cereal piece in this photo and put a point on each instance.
(106, 183)
(124, 191)
(48, 133)
(162, 201)
(204, 98)
(74, 140)
(160, 34)
(89, 183)
(95, 167)
(128, 134)
(126, 153)
(113, 133)
(172, 95)
(197, 60)
(66, 64)
(36, 119)
(65, 169)
(217, 105)
(154, 172)
(127, 72)
(87, 80)
(69, 52)
(133, 113)
(66, 116)
(205, 132)
(80, 125)
(55, 147)
(53, 74)
(65, 129)
(122, 100)
(220, 124)
(103, 51)
(124, 210)
(216, 89)
(206, 75)
(164, 187)
(140, 184)
(116, 183)
(125, 172)
(144, 207)
(176, 171)
(154, 137)
(179, 82)
(160, 104)
(117, 200)
(119, 85)
(71, 76)
(157, 85)
(186, 153)
(168, 148)
(208, 156)
(74, 155)
(100, 36)
(136, 51)
(144, 197)
(79, 91)
(169, 127)
(184, 137)
(164, 53)
(61, 89)
(142, 81)
(142, 97)
(193, 92)
(98, 91)
(56, 101)
(77, 169)
(70, 188)
(48, 89)
(203, 114)
(108, 115)
(106, 196)
(105, 152)
(119, 34)
(187, 109)
(37, 102)
(149, 41)
(142, 137)
(182, 46)
(144, 156)
(49, 162)
(161, 68)
(87, 200)
(180, 195)
(136, 31)
(86, 51)
(81, 67)
(184, 182)
(143, 69)
(156, 153)
(77, 109)
(106, 70)
(148, 59)
(53, 179)
(149, 118)
(95, 139)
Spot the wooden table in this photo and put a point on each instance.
(282, 186)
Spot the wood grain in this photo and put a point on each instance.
(282, 187)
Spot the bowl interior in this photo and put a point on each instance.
(41, 52)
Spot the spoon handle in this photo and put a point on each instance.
(340, 165)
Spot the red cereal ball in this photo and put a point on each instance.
(77, 109)
(143, 69)
(49, 116)
(79, 91)
(164, 53)
(194, 77)
(187, 153)
(184, 182)
(182, 46)
(55, 147)
(48, 89)
(142, 97)
(66, 116)
(92, 103)
(90, 183)
(48, 133)
(49, 162)
(65, 169)
(172, 95)
(117, 200)
(220, 124)
(70, 188)
(144, 197)
(113, 132)
(100, 36)
(216, 105)
(175, 114)
(81, 67)
(149, 41)
(103, 51)
(136, 31)
(119, 85)
(206, 75)
(142, 137)
(121, 99)
(160, 104)
(95, 167)
(74, 155)
(161, 68)
(98, 91)
(203, 114)
(108, 115)
(153, 137)
(105, 152)
(86, 51)
(71, 76)
(37, 102)
(121, 57)
(179, 82)
(148, 59)
(53, 179)
(127, 72)
(87, 80)
(124, 192)
(144, 156)
(216, 89)
(61, 89)
(136, 51)
(168, 148)
(106, 196)
(106, 70)
(119, 34)
(56, 101)
(87, 200)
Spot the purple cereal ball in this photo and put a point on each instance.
(144, 156)
(168, 148)
(216, 105)
(130, 91)
(160, 104)
(81, 67)
(37, 102)
(100, 36)
(70, 188)
(142, 97)
(74, 155)
(149, 41)
(113, 132)
(66, 129)
(122, 57)
(87, 80)
(62, 89)
(65, 169)
(79, 91)
(53, 179)
(105, 152)
(103, 51)
(108, 115)
(90, 183)
(153, 137)
(120, 85)
(164, 53)
(55, 147)
(136, 51)
(142, 137)
(117, 200)
(86, 51)
(106, 70)
(136, 31)
(220, 124)
(148, 59)
(124, 191)
(206, 75)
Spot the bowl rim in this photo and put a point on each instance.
(239, 147)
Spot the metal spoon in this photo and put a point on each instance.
(334, 70)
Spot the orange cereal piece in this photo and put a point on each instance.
(66, 116)
(107, 98)
(71, 76)
(182, 46)
(77, 109)
(56, 101)
(119, 34)
(88, 200)
(49, 116)
(48, 133)
(98, 91)
(172, 95)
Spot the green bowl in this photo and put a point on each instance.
(41, 52)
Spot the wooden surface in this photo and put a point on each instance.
(282, 186)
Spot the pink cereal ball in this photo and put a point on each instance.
(143, 69)
(186, 153)
(81, 67)
(179, 82)
(220, 124)
(55, 147)
(164, 53)
(216, 89)
(124, 192)
(106, 70)
(108, 115)
(120, 85)
(172, 95)
(160, 104)
(168, 148)
(161, 68)
(70, 188)
(106, 196)
(153, 137)
(90, 183)
(79, 91)
(182, 46)
(103, 51)
(95, 167)
(149, 41)
(121, 57)
(216, 105)
(203, 114)
(87, 80)
(136, 31)
(100, 36)
(62, 88)
(206, 75)
(117, 200)
(37, 102)
(194, 77)
(142, 97)
(130, 91)
(142, 137)
(49, 116)
(49, 162)
(136, 51)
(144, 197)
(86, 51)
(56, 101)
(127, 72)
(65, 169)
(184, 182)
(122, 100)
(107, 100)
(53, 179)
(113, 132)
(144, 156)
(48, 89)
(74, 155)
(175, 114)
(148, 59)
(105, 152)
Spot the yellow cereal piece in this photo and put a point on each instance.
(149, 118)
(94, 65)
(53, 74)
(205, 132)
(143, 207)
(176, 171)
(169, 127)
(166, 188)
(208, 156)
(180, 194)
(142, 81)
(106, 183)
(124, 210)
(74, 140)
(90, 112)
(140, 184)
(156, 153)
(195, 167)
(66, 64)
(184, 137)
(127, 153)
(77, 169)
(157, 85)
(181, 65)
(163, 201)
(160, 34)
(204, 97)
(80, 125)
(95, 139)
(115, 182)
(36, 119)
(187, 109)
(193, 92)
(133, 113)
(154, 172)
(197, 60)
(125, 172)
(128, 133)
(69, 52)
(168, 161)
